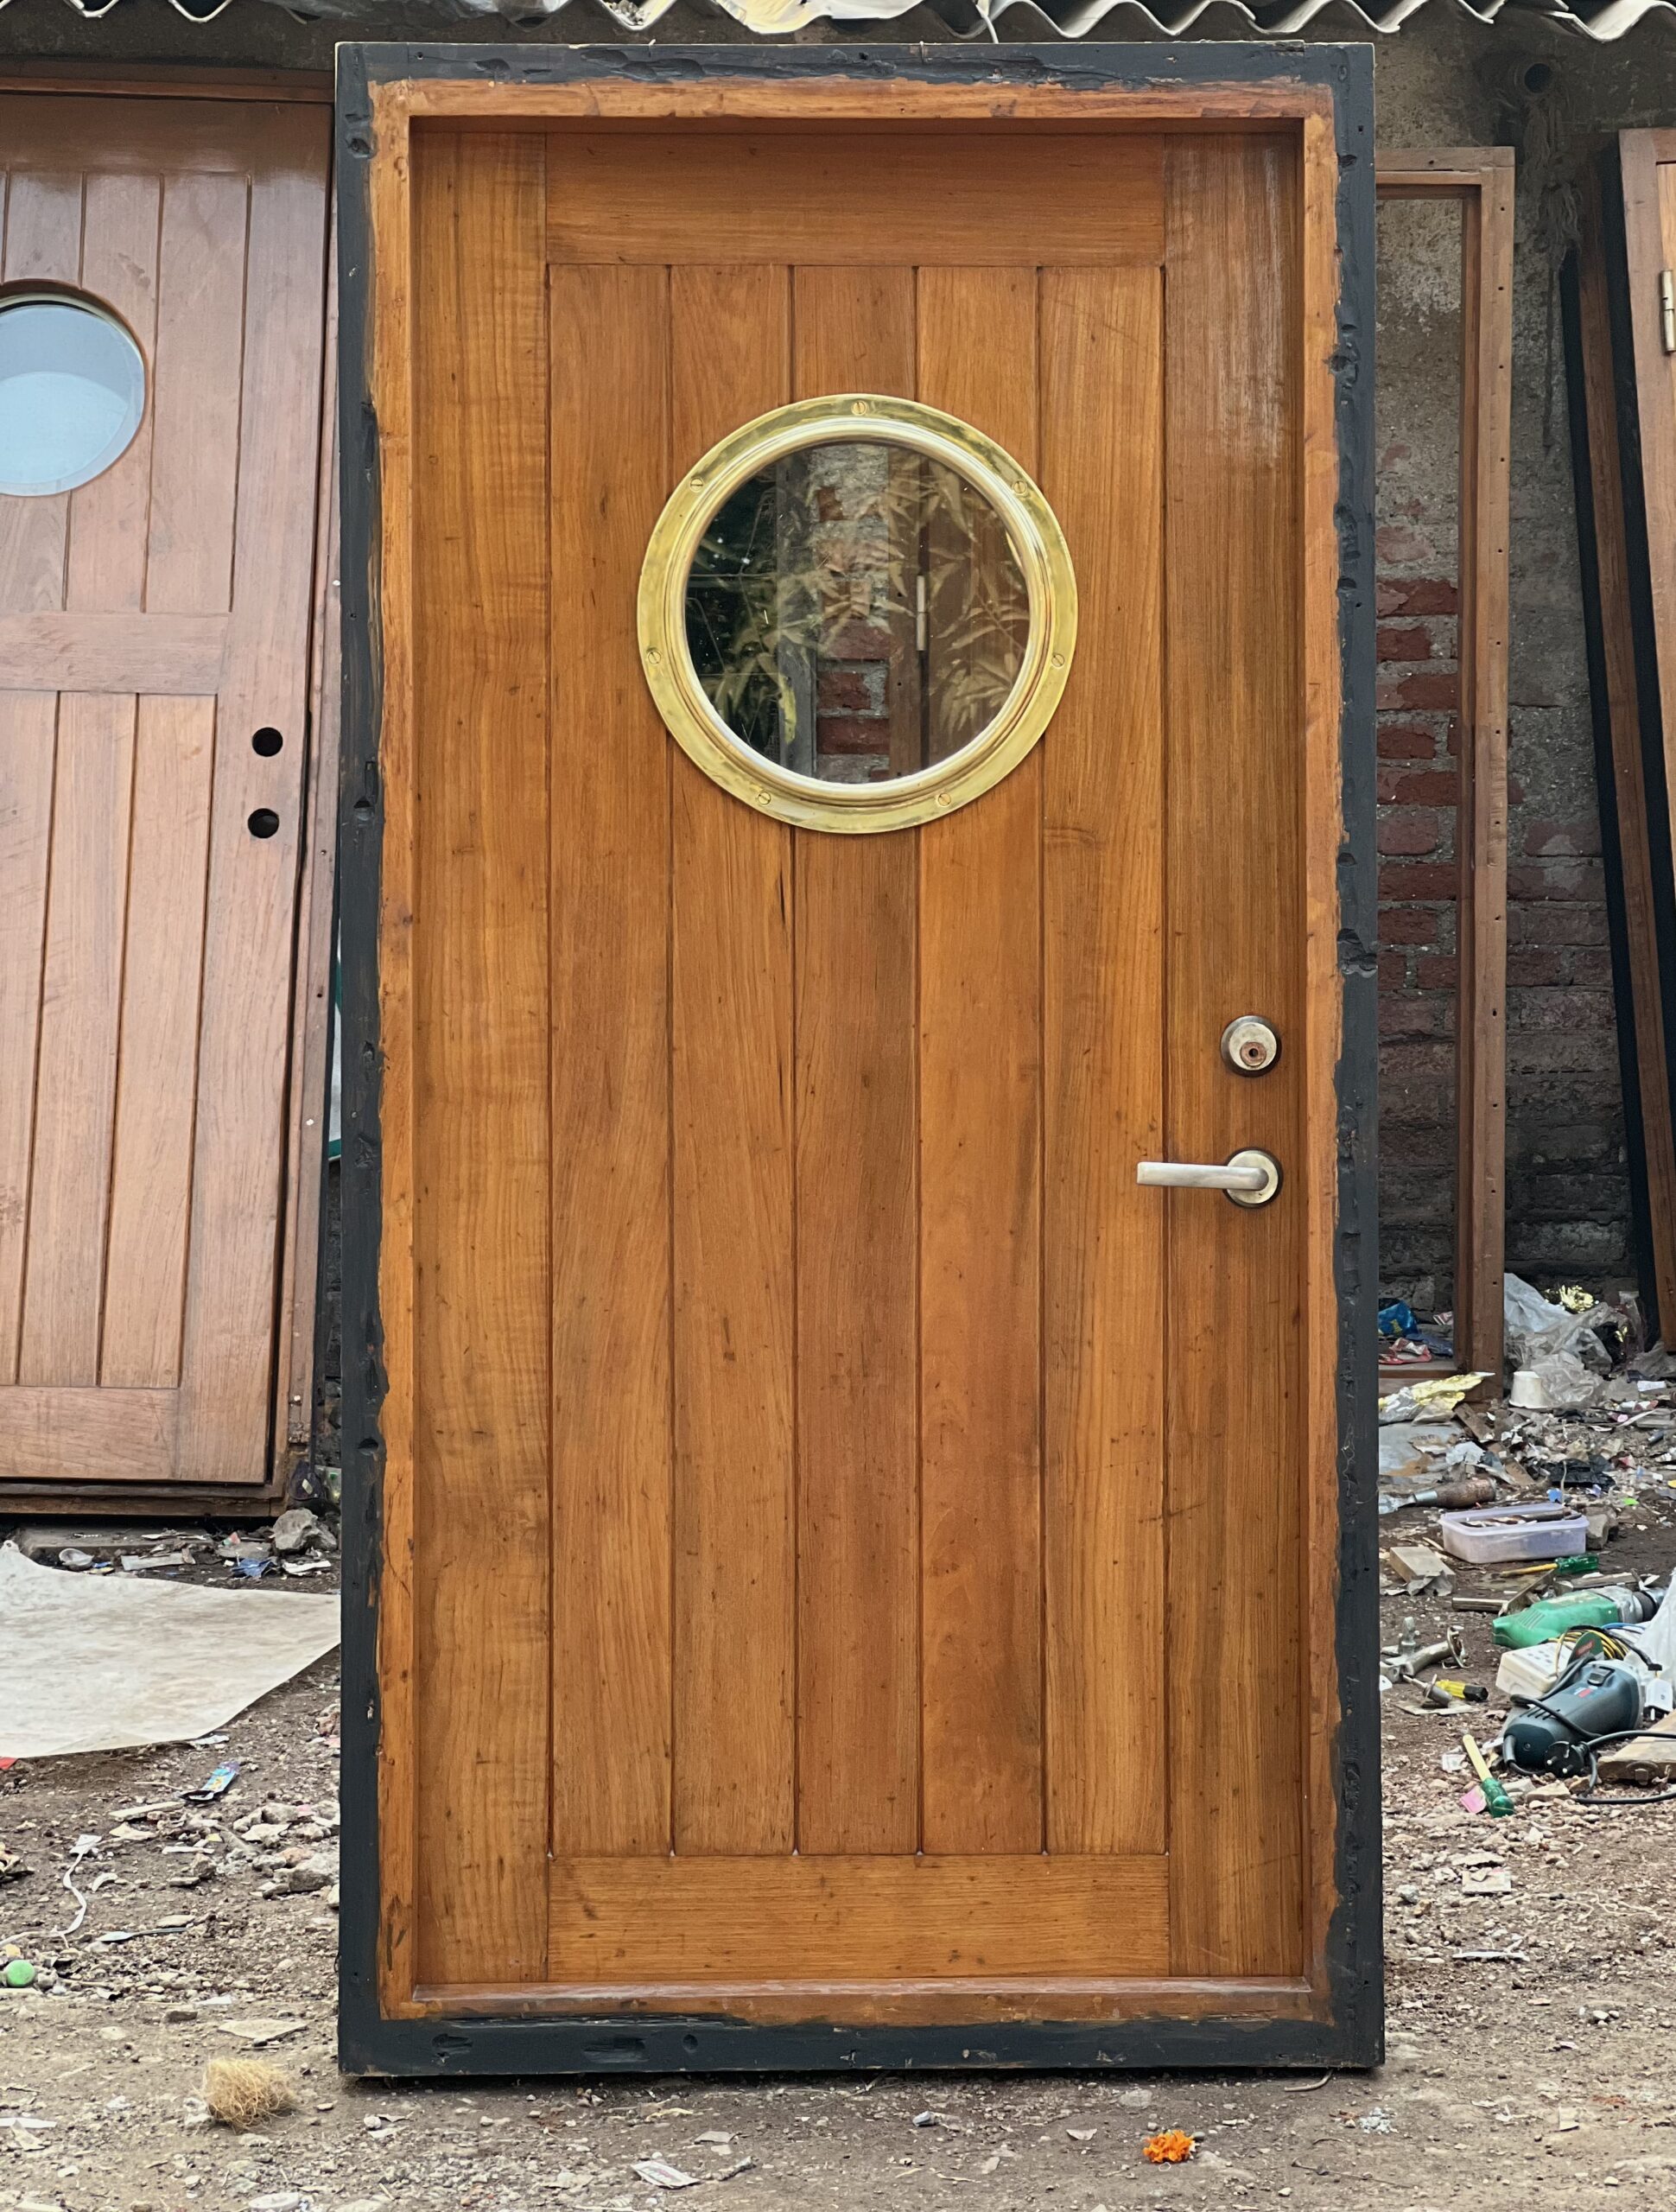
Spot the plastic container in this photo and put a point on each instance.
(1490, 1535)
(1551, 1616)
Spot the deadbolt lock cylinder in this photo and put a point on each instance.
(1250, 1045)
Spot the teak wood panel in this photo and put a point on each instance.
(150, 622)
(840, 1266)
(849, 198)
(812, 1918)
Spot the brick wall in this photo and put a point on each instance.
(1419, 788)
(1566, 1175)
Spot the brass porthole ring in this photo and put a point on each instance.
(1038, 544)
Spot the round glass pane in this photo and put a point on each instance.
(72, 393)
(856, 612)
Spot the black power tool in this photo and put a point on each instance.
(1553, 1734)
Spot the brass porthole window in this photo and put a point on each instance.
(857, 612)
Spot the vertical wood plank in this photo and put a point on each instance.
(195, 389)
(610, 890)
(243, 1053)
(735, 1571)
(1236, 937)
(1482, 819)
(29, 723)
(312, 1029)
(980, 1193)
(108, 516)
(76, 1084)
(481, 1043)
(1102, 442)
(151, 1154)
(857, 1196)
(43, 239)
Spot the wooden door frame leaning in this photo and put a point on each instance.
(308, 1048)
(1623, 455)
(390, 2022)
(1479, 179)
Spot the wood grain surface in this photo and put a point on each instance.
(980, 1193)
(1104, 964)
(482, 1432)
(1234, 819)
(735, 1567)
(855, 200)
(858, 1205)
(815, 1918)
(608, 1019)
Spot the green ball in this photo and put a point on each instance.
(19, 1973)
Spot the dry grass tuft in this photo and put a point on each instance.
(243, 2092)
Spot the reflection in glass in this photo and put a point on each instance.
(855, 611)
(72, 393)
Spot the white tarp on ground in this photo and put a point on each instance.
(103, 1662)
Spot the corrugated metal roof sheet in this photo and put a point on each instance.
(1597, 19)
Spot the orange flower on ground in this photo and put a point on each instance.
(1171, 2148)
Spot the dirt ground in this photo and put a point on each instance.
(1527, 2024)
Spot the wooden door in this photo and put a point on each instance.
(1621, 309)
(154, 655)
(853, 1556)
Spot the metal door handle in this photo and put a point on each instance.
(1249, 1178)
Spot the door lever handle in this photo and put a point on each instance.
(1249, 1178)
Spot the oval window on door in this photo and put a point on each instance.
(857, 614)
(72, 391)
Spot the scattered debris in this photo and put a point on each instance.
(1421, 1568)
(217, 1785)
(1171, 2146)
(1644, 1760)
(1433, 1400)
(241, 2093)
(662, 2175)
(1489, 1537)
(259, 2033)
(1595, 1698)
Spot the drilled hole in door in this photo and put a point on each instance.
(267, 742)
(264, 822)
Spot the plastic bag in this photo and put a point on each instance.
(1538, 1330)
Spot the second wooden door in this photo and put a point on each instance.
(153, 692)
